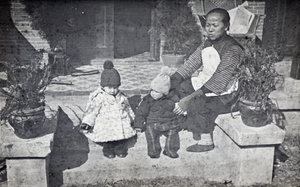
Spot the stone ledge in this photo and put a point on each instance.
(15, 147)
(249, 136)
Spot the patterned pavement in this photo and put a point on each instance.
(136, 74)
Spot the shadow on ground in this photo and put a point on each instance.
(70, 149)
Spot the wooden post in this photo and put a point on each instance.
(154, 43)
(295, 69)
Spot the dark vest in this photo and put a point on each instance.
(222, 44)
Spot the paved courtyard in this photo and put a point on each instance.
(136, 74)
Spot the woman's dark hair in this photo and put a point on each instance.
(223, 12)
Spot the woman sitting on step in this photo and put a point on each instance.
(214, 90)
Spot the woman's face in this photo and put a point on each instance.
(214, 26)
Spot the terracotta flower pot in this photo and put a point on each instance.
(253, 115)
(27, 123)
(173, 61)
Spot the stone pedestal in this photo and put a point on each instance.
(27, 172)
(251, 147)
(26, 159)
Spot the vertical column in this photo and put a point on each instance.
(154, 43)
(295, 69)
(249, 149)
(256, 165)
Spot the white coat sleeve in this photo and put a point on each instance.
(92, 110)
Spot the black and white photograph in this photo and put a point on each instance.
(149, 93)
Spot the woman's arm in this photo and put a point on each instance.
(192, 64)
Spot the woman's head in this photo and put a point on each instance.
(217, 23)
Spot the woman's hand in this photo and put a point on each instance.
(177, 110)
(182, 105)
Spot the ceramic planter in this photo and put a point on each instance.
(253, 115)
(27, 122)
(173, 61)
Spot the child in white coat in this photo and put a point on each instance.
(108, 116)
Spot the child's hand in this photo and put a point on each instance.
(85, 128)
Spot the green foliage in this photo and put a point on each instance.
(177, 25)
(257, 74)
(25, 85)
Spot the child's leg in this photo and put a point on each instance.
(172, 141)
(108, 149)
(120, 148)
(172, 144)
(153, 143)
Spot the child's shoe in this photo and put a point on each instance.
(122, 155)
(170, 154)
(110, 155)
(154, 156)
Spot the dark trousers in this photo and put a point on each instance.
(202, 111)
(115, 147)
(153, 140)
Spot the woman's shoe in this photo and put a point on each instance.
(200, 148)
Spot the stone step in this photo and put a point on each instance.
(239, 152)
(23, 24)
(211, 165)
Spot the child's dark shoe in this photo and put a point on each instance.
(110, 156)
(122, 155)
(170, 154)
(154, 156)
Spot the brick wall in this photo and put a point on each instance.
(258, 7)
(255, 6)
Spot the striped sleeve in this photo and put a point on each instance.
(192, 64)
(225, 71)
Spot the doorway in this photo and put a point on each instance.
(132, 20)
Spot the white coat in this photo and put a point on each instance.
(111, 117)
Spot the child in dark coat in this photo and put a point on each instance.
(155, 116)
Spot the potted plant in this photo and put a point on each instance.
(26, 83)
(177, 29)
(257, 78)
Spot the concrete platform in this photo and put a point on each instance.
(137, 165)
(76, 160)
(92, 167)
